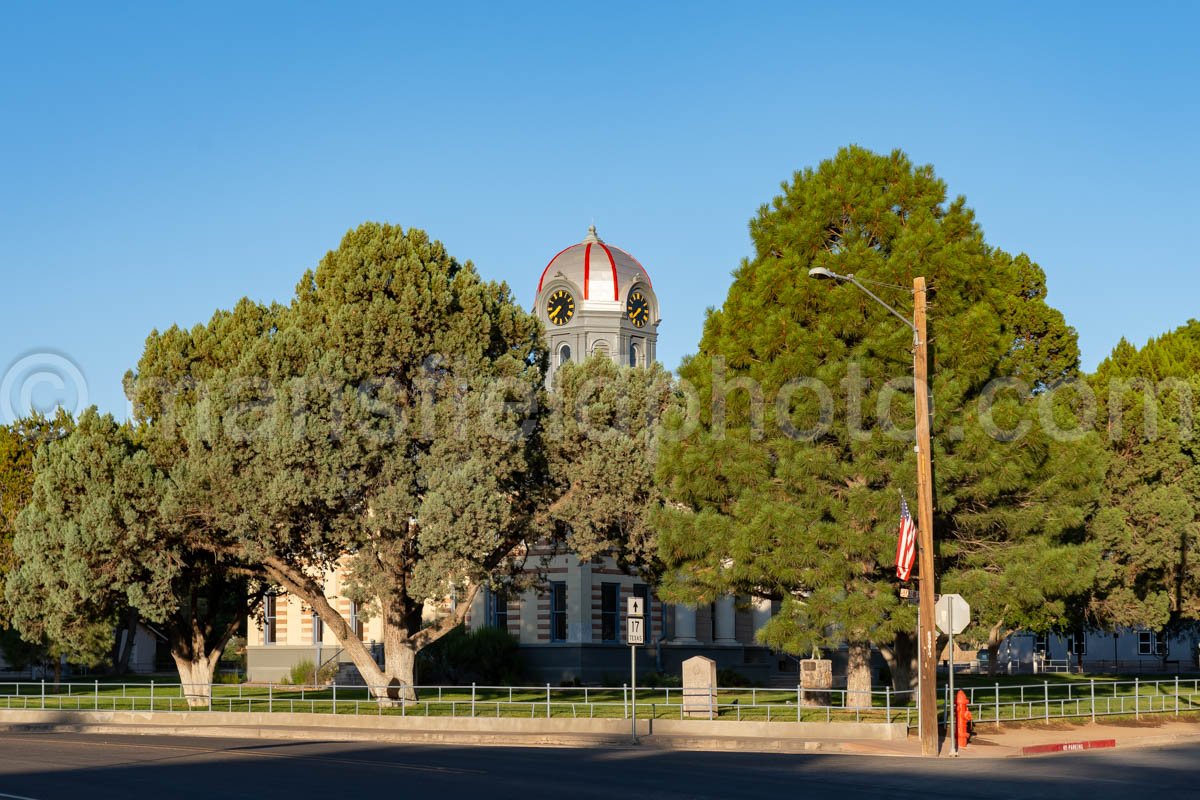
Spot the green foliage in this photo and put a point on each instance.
(796, 496)
(19, 443)
(485, 655)
(732, 679)
(94, 540)
(1147, 532)
(652, 680)
(601, 447)
(305, 673)
(392, 410)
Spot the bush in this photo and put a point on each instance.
(731, 679)
(660, 680)
(304, 673)
(485, 655)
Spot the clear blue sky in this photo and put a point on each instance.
(158, 162)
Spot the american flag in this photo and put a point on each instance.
(906, 543)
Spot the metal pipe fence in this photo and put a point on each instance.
(546, 701)
(989, 704)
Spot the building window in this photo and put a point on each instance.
(600, 348)
(635, 354)
(1149, 644)
(610, 595)
(318, 629)
(1076, 643)
(497, 610)
(558, 612)
(1040, 644)
(564, 354)
(269, 619)
(356, 622)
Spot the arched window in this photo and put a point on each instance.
(600, 348)
(635, 354)
(564, 354)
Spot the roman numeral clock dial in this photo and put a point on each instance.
(637, 308)
(560, 307)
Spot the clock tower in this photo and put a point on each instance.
(596, 299)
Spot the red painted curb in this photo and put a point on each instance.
(1067, 746)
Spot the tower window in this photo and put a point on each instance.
(564, 354)
(635, 354)
(600, 348)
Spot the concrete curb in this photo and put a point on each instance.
(555, 732)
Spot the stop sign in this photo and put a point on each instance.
(952, 614)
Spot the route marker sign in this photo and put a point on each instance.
(635, 621)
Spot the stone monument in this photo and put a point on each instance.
(816, 679)
(700, 687)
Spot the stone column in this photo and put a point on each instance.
(723, 612)
(685, 625)
(760, 613)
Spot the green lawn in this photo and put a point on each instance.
(1012, 698)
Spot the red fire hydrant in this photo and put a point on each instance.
(962, 719)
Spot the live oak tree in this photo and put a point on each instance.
(93, 543)
(386, 422)
(1148, 529)
(790, 489)
(601, 444)
(19, 443)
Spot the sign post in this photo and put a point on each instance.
(953, 615)
(635, 634)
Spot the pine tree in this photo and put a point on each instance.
(790, 488)
(1147, 530)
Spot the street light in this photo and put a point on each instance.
(926, 637)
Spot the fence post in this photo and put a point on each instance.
(1093, 683)
(44, 694)
(1177, 695)
(799, 700)
(997, 704)
(472, 699)
(1046, 685)
(1137, 706)
(887, 703)
(96, 695)
(625, 701)
(547, 701)
(270, 698)
(151, 692)
(335, 697)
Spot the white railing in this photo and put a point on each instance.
(997, 703)
(770, 705)
(1087, 699)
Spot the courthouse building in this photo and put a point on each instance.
(594, 299)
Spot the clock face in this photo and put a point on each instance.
(638, 309)
(560, 307)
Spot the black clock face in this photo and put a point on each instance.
(560, 307)
(637, 308)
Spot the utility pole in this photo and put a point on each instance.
(927, 657)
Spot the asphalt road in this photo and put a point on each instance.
(56, 766)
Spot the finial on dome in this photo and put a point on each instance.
(591, 235)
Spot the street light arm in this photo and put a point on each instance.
(875, 297)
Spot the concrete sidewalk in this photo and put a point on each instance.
(1007, 742)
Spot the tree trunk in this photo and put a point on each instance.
(995, 636)
(121, 662)
(403, 636)
(195, 677)
(858, 675)
(901, 659)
